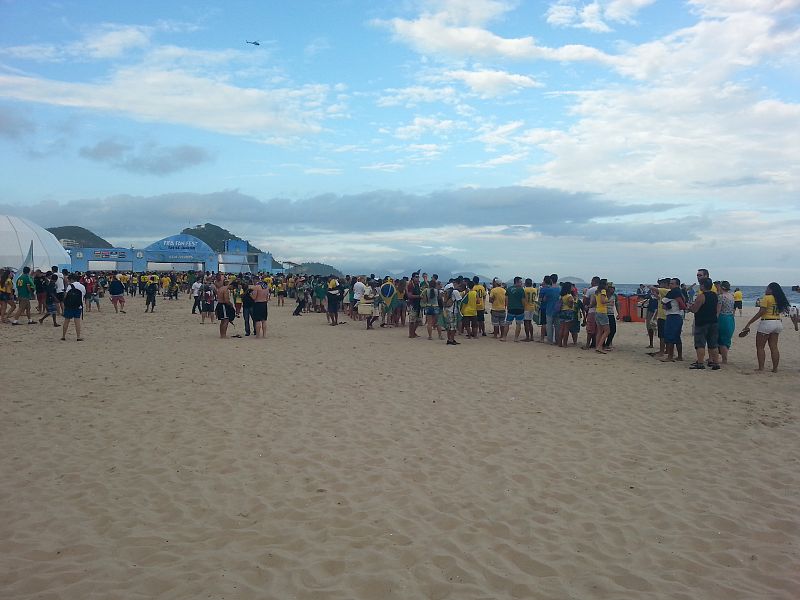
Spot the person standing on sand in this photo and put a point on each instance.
(591, 313)
(151, 291)
(601, 301)
(451, 297)
(706, 327)
(673, 304)
(226, 313)
(515, 309)
(772, 304)
(50, 299)
(738, 298)
(25, 292)
(725, 320)
(117, 291)
(529, 305)
(73, 306)
(413, 294)
(259, 293)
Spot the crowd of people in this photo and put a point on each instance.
(550, 311)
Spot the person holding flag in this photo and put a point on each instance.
(388, 293)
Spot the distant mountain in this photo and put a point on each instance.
(215, 236)
(81, 236)
(313, 268)
(571, 279)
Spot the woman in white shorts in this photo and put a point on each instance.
(771, 306)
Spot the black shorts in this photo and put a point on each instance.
(737, 304)
(481, 316)
(225, 311)
(60, 296)
(259, 311)
(660, 327)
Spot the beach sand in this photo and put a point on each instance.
(154, 460)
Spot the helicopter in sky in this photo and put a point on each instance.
(255, 42)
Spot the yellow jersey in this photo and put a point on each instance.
(770, 307)
(481, 292)
(738, 296)
(498, 298)
(530, 298)
(469, 307)
(602, 302)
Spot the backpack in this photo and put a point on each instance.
(447, 298)
(72, 299)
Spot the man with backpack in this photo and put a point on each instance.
(73, 306)
(451, 298)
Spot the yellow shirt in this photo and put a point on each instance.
(567, 302)
(738, 296)
(481, 292)
(268, 281)
(9, 286)
(529, 300)
(498, 298)
(772, 313)
(165, 282)
(602, 302)
(469, 307)
(662, 313)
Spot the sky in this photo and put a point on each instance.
(623, 138)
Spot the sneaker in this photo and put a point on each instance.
(697, 366)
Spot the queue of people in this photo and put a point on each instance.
(553, 311)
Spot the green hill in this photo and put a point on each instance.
(313, 268)
(215, 236)
(84, 237)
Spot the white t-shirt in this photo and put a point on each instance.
(457, 297)
(60, 283)
(588, 295)
(196, 288)
(358, 290)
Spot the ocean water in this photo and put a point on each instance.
(750, 293)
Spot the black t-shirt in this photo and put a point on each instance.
(707, 313)
(39, 284)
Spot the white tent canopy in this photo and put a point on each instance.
(16, 235)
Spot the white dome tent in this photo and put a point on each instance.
(16, 235)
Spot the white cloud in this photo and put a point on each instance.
(594, 15)
(105, 41)
(322, 171)
(497, 161)
(499, 135)
(178, 97)
(425, 125)
(489, 83)
(386, 167)
(415, 95)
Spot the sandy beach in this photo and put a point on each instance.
(154, 460)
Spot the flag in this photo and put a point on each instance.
(28, 262)
(388, 294)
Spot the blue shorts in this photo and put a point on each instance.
(672, 329)
(511, 317)
(72, 313)
(432, 311)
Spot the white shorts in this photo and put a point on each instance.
(768, 326)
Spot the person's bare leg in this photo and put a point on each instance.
(761, 342)
(78, 329)
(774, 353)
(64, 328)
(723, 353)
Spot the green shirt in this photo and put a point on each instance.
(516, 297)
(25, 287)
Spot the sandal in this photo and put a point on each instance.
(697, 366)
